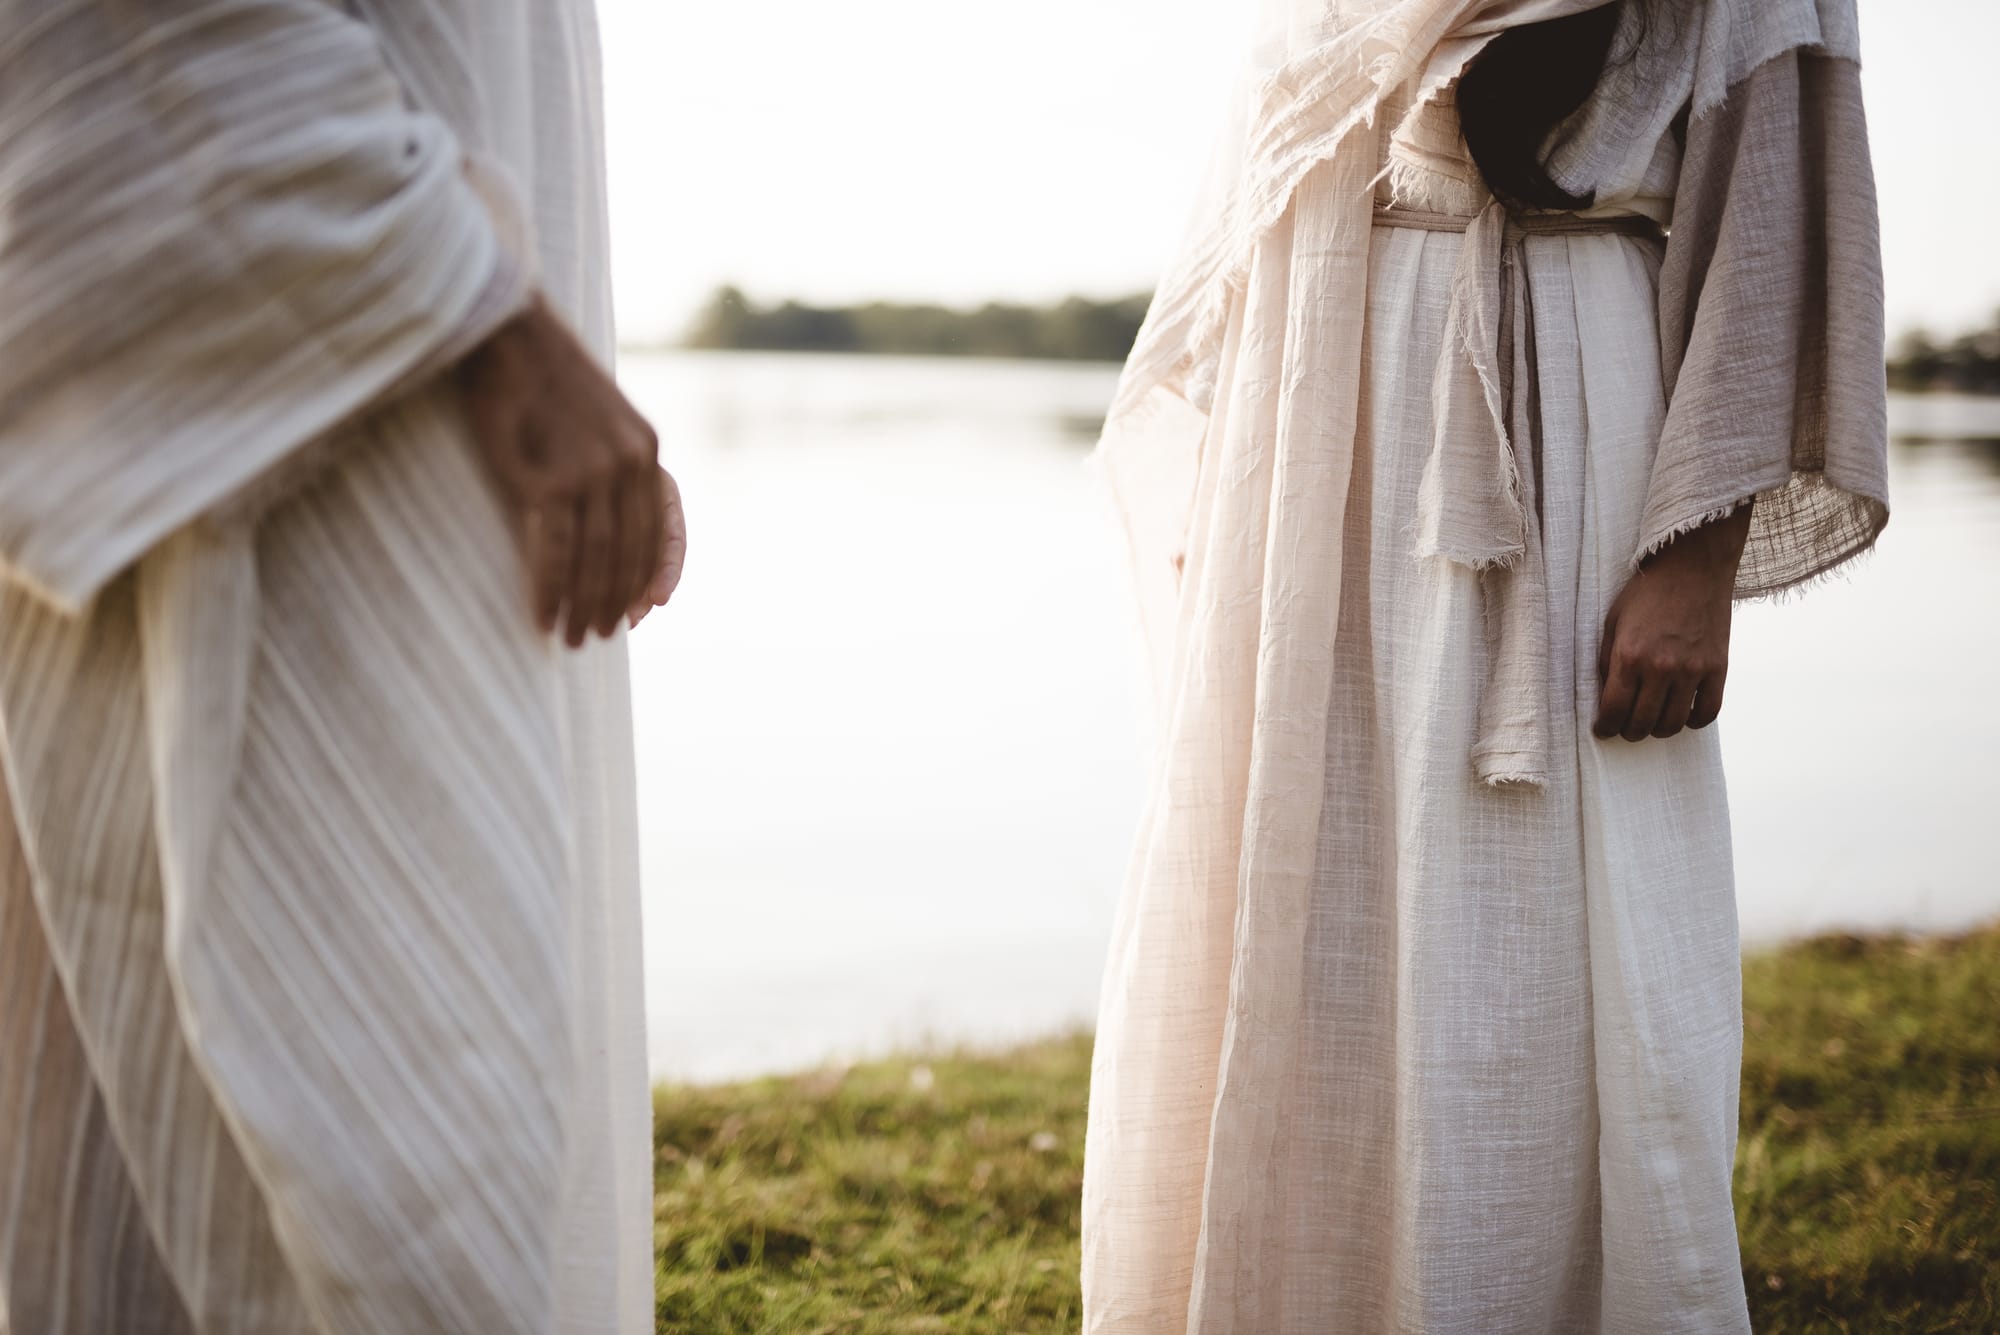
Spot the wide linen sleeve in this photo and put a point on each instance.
(224, 231)
(1771, 327)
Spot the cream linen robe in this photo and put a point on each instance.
(1393, 1038)
(319, 950)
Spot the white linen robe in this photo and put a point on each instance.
(319, 947)
(1398, 1033)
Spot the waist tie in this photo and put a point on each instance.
(1476, 503)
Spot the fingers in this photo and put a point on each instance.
(1614, 706)
(594, 571)
(1679, 705)
(672, 554)
(1707, 701)
(1636, 705)
(673, 541)
(1604, 643)
(639, 544)
(607, 552)
(552, 557)
(576, 466)
(1647, 706)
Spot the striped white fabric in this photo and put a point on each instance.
(319, 978)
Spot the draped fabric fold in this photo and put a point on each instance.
(1475, 505)
(209, 264)
(1472, 510)
(330, 887)
(1771, 328)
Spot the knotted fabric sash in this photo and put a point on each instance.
(1476, 502)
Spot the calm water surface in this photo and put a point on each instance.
(889, 731)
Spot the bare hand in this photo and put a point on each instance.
(1665, 655)
(673, 559)
(578, 469)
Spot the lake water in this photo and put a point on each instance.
(889, 731)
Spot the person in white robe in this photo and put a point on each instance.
(1422, 1011)
(320, 996)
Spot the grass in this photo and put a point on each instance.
(1868, 1174)
(940, 1195)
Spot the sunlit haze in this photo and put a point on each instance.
(912, 149)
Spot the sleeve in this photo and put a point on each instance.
(224, 231)
(1771, 327)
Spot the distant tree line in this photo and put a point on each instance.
(1078, 329)
(1082, 329)
(1969, 363)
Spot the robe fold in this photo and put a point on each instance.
(1422, 1009)
(319, 896)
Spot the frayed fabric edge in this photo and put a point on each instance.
(1506, 559)
(1659, 543)
(1509, 769)
(1837, 571)
(1833, 570)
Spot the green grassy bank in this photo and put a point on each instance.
(941, 1195)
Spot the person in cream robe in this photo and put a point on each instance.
(320, 1003)
(1422, 1012)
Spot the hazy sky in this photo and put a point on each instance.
(932, 149)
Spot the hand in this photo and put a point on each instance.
(1665, 654)
(673, 559)
(577, 468)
